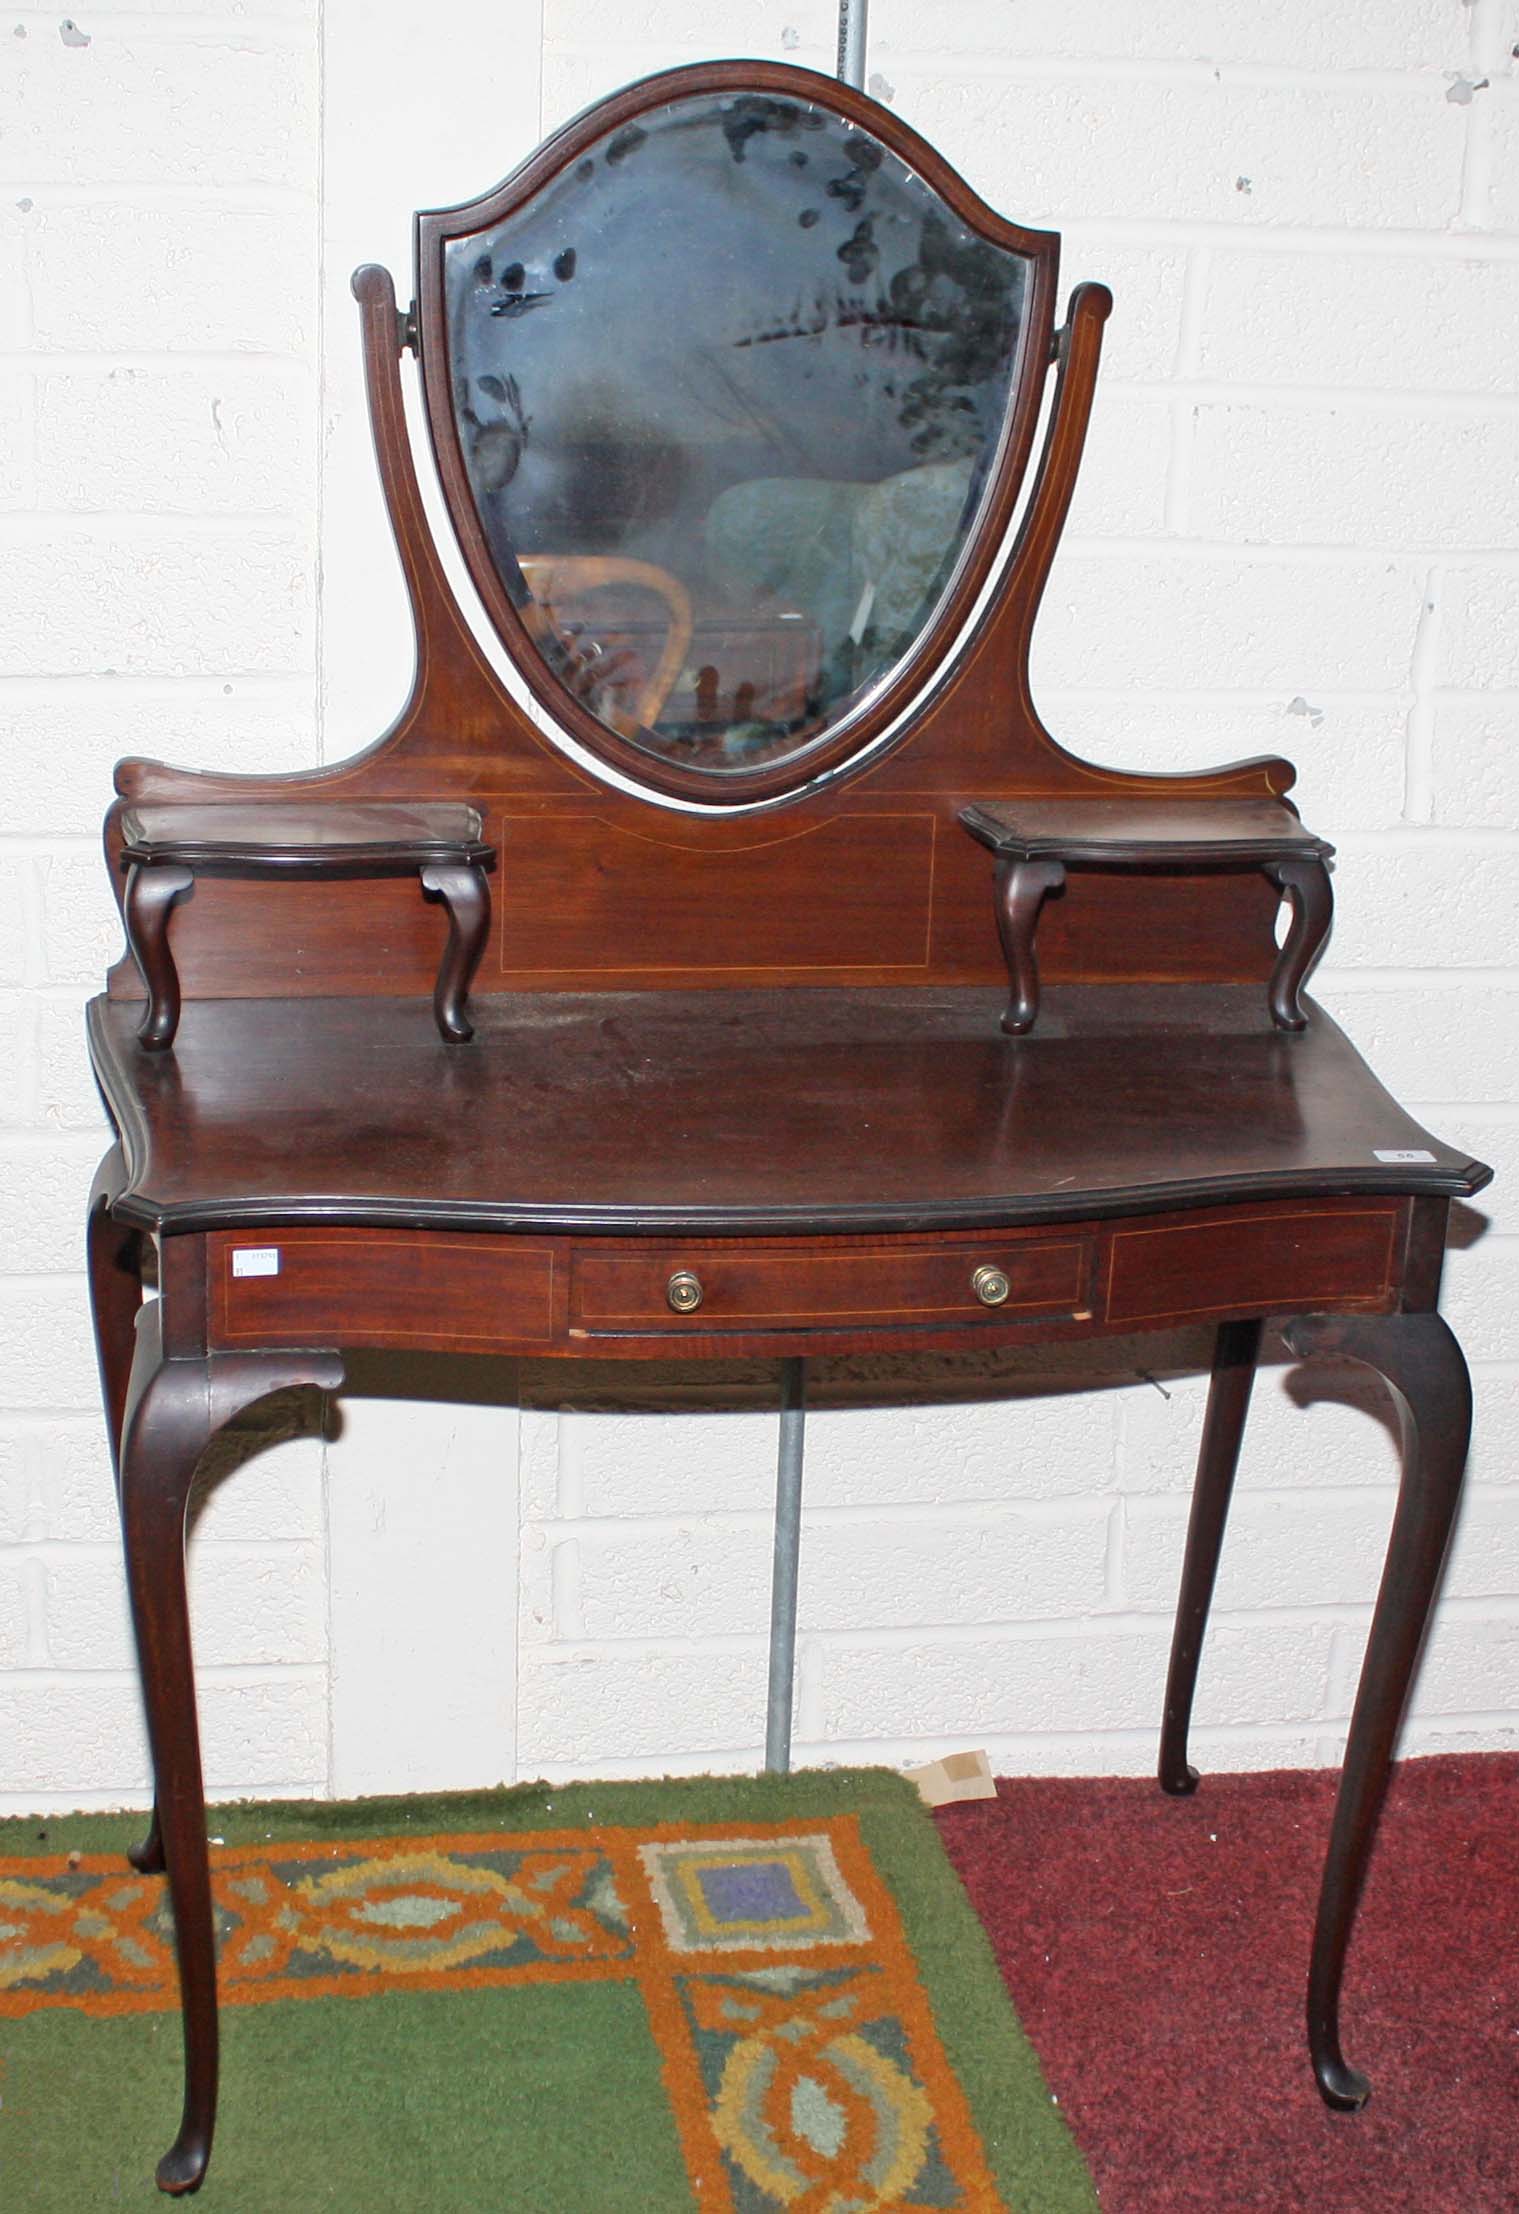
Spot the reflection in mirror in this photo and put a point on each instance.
(730, 392)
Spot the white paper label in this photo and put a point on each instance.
(256, 1260)
(1396, 1155)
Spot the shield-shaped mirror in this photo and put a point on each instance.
(728, 414)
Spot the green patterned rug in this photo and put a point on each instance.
(748, 1996)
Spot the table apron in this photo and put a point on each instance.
(529, 1294)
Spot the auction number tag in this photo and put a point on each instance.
(256, 1260)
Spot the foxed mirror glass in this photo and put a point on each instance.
(730, 389)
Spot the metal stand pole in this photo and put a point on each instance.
(788, 1475)
(788, 1546)
(851, 65)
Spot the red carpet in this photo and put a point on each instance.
(1156, 1950)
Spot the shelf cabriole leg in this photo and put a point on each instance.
(1236, 1350)
(151, 897)
(466, 897)
(1307, 887)
(1022, 889)
(1418, 1358)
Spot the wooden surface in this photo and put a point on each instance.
(285, 833)
(1145, 831)
(816, 1111)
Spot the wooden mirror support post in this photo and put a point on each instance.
(736, 1088)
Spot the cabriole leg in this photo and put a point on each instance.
(114, 1258)
(466, 895)
(1022, 888)
(1307, 886)
(148, 1857)
(174, 1407)
(1236, 1350)
(151, 896)
(1420, 1361)
(167, 1426)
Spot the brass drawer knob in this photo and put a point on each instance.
(684, 1292)
(990, 1286)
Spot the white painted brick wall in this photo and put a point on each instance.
(113, 276)
(179, 106)
(1201, 619)
(1368, 475)
(158, 562)
(103, 439)
(1204, 149)
(1297, 533)
(1364, 34)
(157, 600)
(1443, 324)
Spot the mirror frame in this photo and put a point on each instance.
(794, 773)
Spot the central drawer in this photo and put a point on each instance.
(695, 1288)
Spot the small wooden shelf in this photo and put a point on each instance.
(1037, 841)
(166, 847)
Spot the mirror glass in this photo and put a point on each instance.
(730, 391)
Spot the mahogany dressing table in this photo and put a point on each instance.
(733, 390)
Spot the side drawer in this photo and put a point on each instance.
(445, 1291)
(1262, 1260)
(749, 1288)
